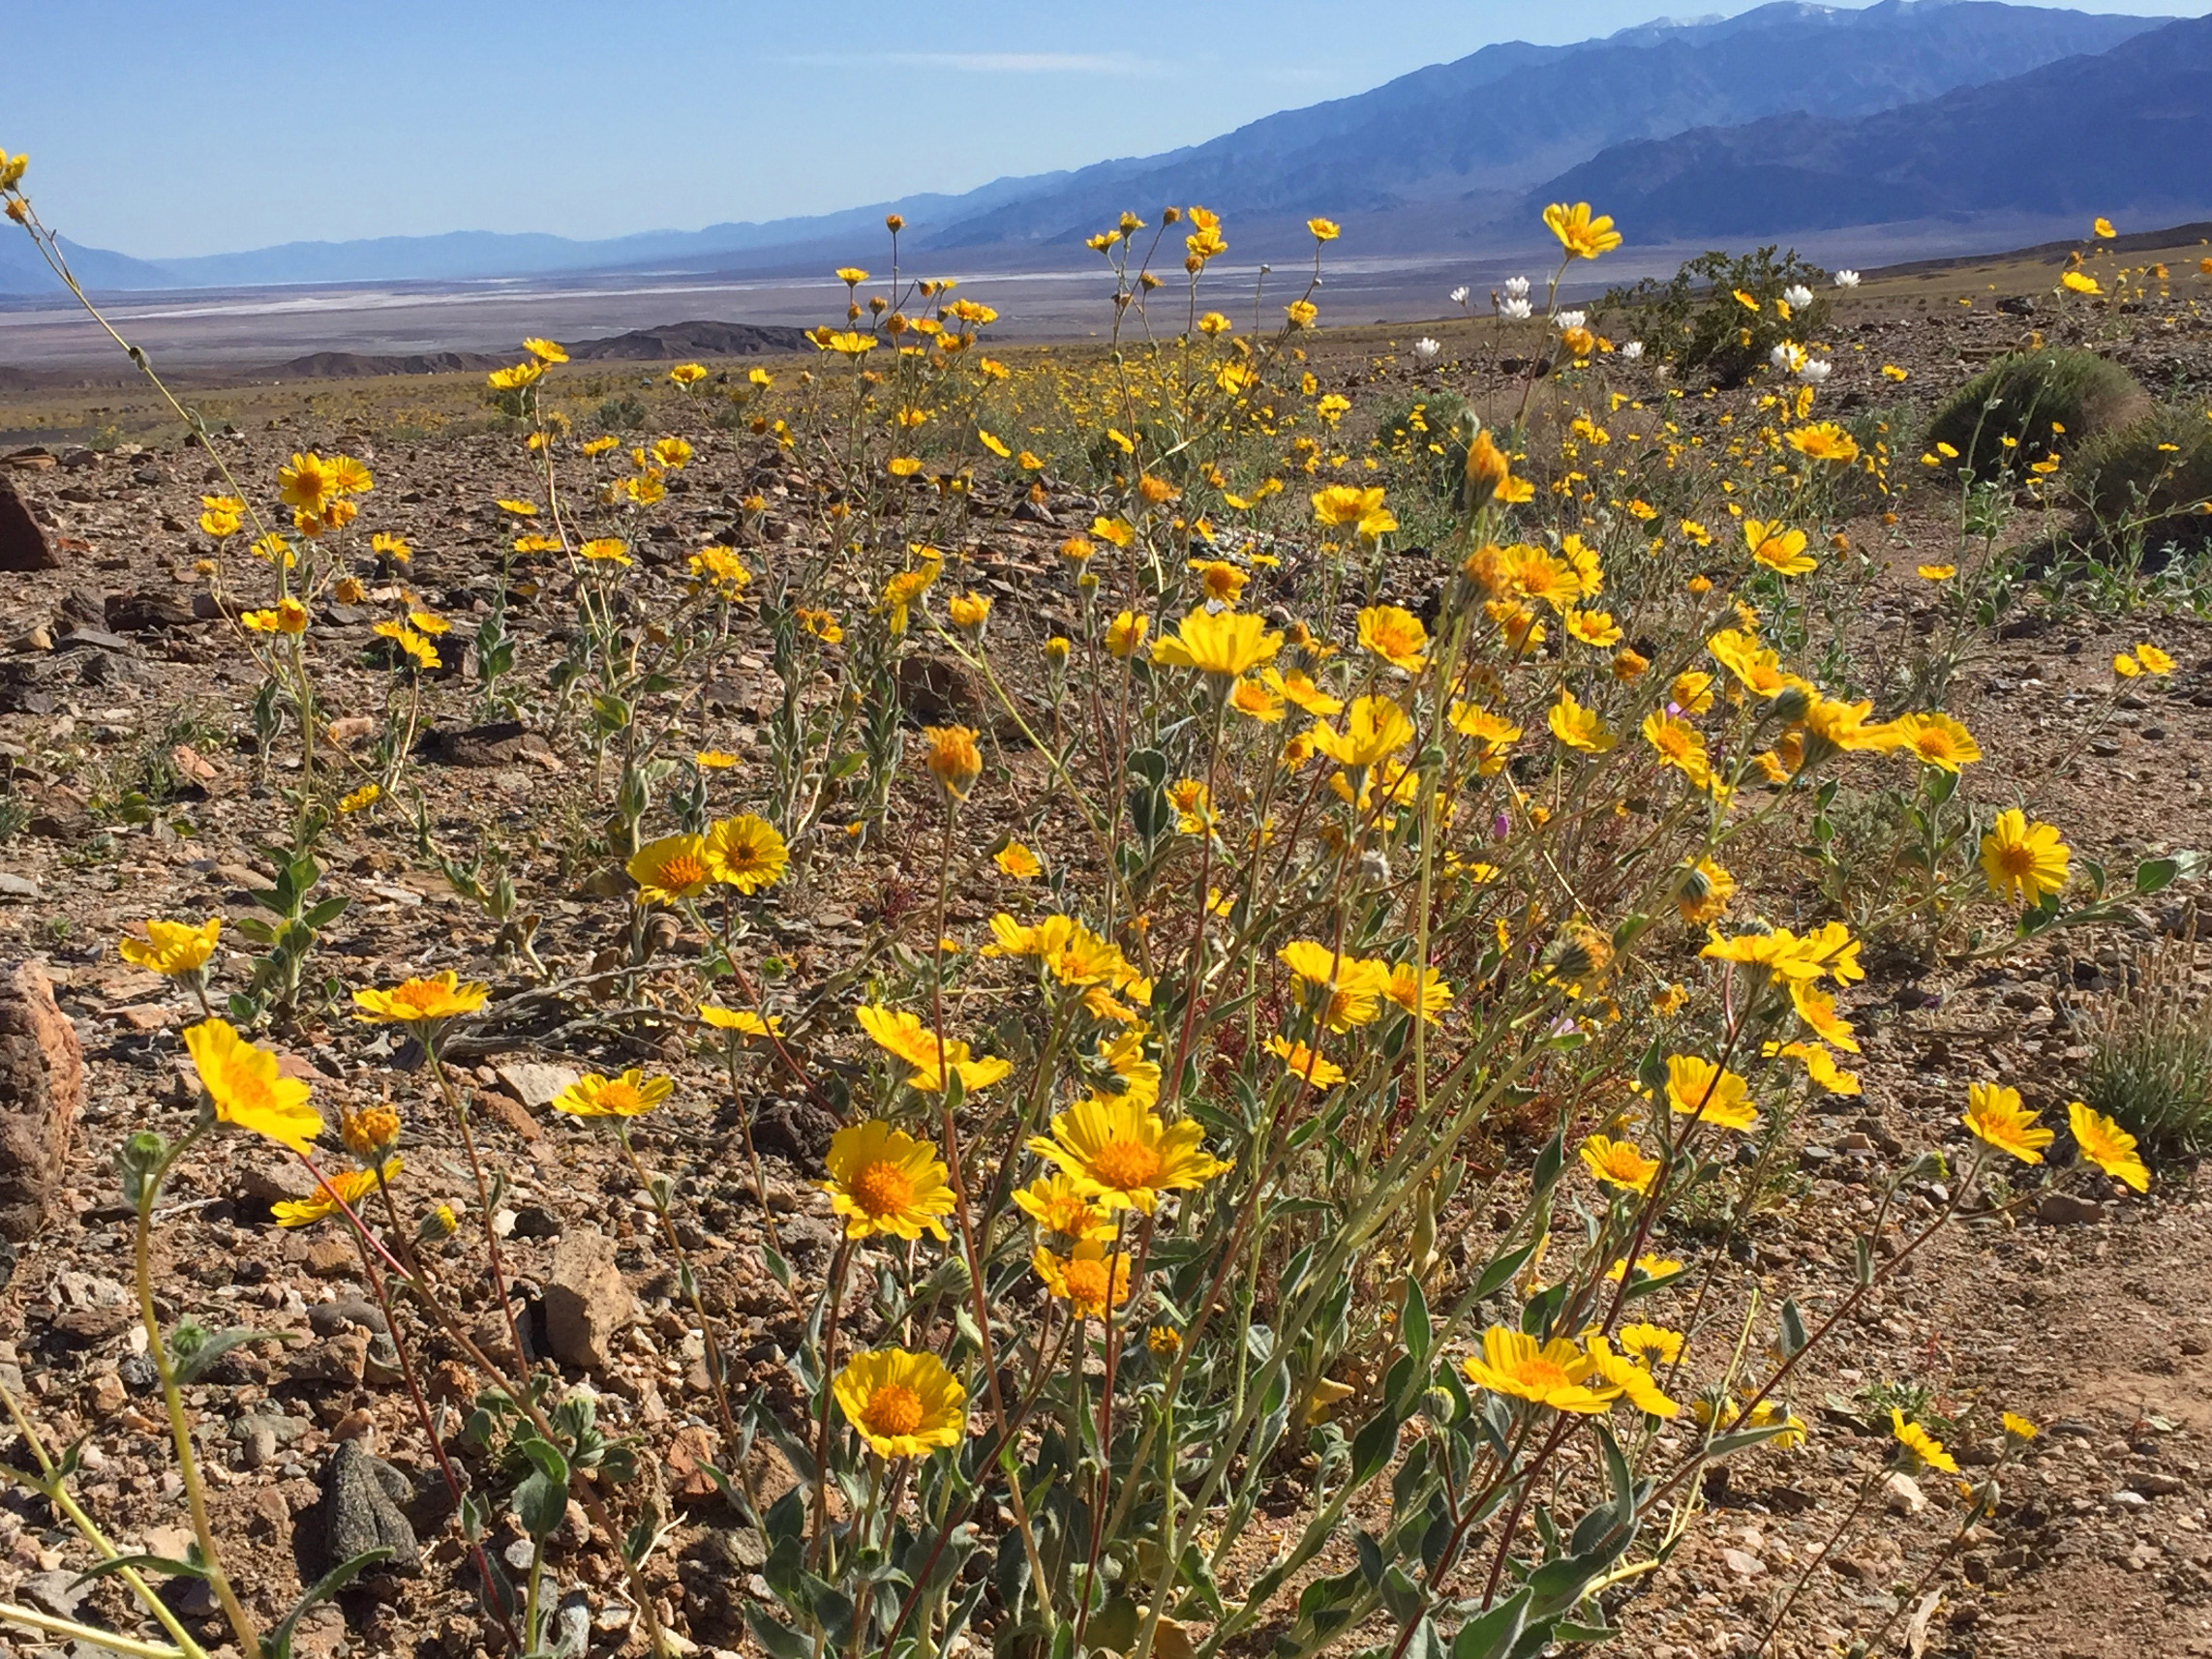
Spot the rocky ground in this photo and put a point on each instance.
(122, 704)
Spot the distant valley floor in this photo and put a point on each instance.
(235, 333)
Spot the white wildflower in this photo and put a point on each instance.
(1425, 351)
(1813, 371)
(1799, 295)
(1517, 287)
(1567, 320)
(1631, 351)
(1847, 278)
(1459, 294)
(1515, 310)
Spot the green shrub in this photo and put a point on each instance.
(2148, 479)
(1423, 434)
(620, 415)
(1694, 320)
(2022, 396)
(2150, 1066)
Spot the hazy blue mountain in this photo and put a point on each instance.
(23, 272)
(1424, 156)
(2125, 132)
(462, 256)
(1511, 115)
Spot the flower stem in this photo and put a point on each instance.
(180, 1425)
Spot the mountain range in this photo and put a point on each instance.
(1792, 116)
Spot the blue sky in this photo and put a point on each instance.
(157, 129)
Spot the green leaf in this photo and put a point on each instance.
(1494, 1634)
(779, 1639)
(1745, 1440)
(1373, 1446)
(1414, 1326)
(329, 911)
(1501, 1268)
(143, 1562)
(1401, 1595)
(206, 1347)
(2155, 875)
(540, 1506)
(277, 1644)
(1544, 1175)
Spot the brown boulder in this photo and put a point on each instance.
(24, 544)
(941, 688)
(503, 744)
(42, 1090)
(144, 612)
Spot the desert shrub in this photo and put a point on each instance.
(2046, 401)
(2149, 479)
(1696, 320)
(1422, 434)
(621, 413)
(2150, 1067)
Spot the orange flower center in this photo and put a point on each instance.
(683, 870)
(2017, 858)
(621, 1097)
(881, 1189)
(892, 1408)
(1125, 1164)
(1542, 1374)
(1087, 1283)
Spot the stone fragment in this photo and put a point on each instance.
(41, 1091)
(24, 545)
(586, 1299)
(361, 1511)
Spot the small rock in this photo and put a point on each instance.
(276, 1181)
(2154, 1484)
(796, 1129)
(351, 729)
(934, 687)
(144, 1018)
(24, 545)
(260, 1448)
(330, 1318)
(2065, 1208)
(1904, 1495)
(502, 743)
(145, 612)
(586, 1299)
(340, 1359)
(361, 1510)
(688, 1454)
(331, 1258)
(57, 1591)
(1744, 1565)
(535, 1084)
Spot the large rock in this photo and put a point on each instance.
(586, 1299)
(24, 544)
(503, 744)
(361, 1510)
(42, 1090)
